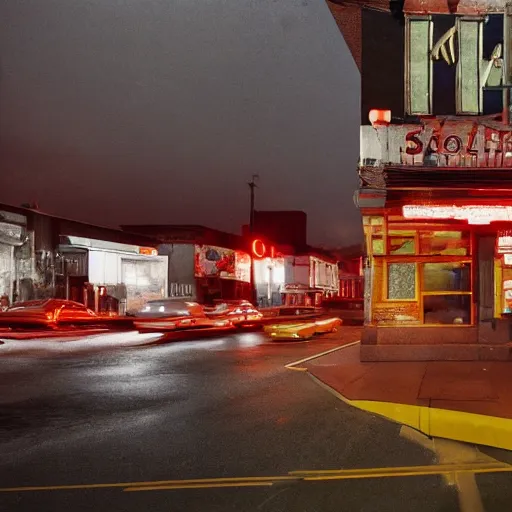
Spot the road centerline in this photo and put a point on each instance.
(293, 476)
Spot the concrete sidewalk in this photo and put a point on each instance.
(465, 401)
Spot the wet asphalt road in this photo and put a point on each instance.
(205, 409)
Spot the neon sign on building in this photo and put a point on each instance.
(473, 214)
(260, 250)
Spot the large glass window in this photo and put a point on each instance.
(446, 277)
(419, 65)
(402, 245)
(447, 309)
(453, 64)
(374, 229)
(444, 243)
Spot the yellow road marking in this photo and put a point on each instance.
(149, 483)
(291, 366)
(197, 486)
(438, 469)
(293, 476)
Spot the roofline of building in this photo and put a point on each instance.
(183, 227)
(29, 212)
(23, 209)
(374, 5)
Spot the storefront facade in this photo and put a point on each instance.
(206, 273)
(221, 273)
(268, 273)
(205, 264)
(96, 270)
(16, 255)
(309, 280)
(436, 193)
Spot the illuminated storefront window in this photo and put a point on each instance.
(446, 277)
(400, 245)
(378, 246)
(422, 274)
(454, 243)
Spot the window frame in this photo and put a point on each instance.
(419, 261)
(407, 65)
(459, 80)
(459, 84)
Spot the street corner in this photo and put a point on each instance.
(381, 389)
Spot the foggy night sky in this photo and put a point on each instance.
(159, 111)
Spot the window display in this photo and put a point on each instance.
(444, 243)
(446, 277)
(447, 309)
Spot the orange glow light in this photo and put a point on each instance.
(148, 251)
(379, 117)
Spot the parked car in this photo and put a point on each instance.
(170, 314)
(303, 331)
(294, 332)
(238, 312)
(47, 313)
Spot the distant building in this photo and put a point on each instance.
(44, 256)
(310, 277)
(310, 274)
(205, 264)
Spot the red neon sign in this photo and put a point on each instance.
(259, 250)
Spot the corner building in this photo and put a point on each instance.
(435, 177)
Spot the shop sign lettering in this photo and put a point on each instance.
(457, 144)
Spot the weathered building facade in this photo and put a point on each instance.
(43, 256)
(436, 179)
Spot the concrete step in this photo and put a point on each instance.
(437, 352)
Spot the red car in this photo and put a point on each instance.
(238, 312)
(47, 313)
(171, 314)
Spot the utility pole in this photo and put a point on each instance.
(252, 186)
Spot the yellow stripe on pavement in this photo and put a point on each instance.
(291, 366)
(197, 486)
(439, 469)
(293, 476)
(114, 485)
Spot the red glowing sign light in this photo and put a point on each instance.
(260, 250)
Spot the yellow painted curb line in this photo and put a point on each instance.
(456, 425)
